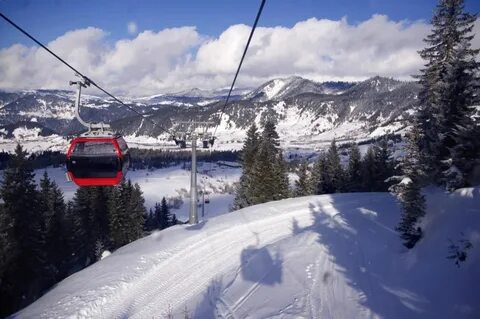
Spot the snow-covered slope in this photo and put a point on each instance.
(282, 88)
(334, 256)
(309, 114)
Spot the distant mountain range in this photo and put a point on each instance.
(303, 109)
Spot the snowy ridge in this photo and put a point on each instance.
(308, 114)
(332, 256)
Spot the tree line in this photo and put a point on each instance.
(44, 239)
(140, 158)
(264, 176)
(327, 175)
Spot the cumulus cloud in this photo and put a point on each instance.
(132, 28)
(180, 58)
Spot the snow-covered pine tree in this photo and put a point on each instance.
(449, 83)
(408, 188)
(460, 139)
(354, 170)
(413, 209)
(243, 190)
(302, 185)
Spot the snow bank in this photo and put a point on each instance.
(330, 256)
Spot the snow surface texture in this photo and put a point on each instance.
(329, 256)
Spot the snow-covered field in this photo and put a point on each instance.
(173, 182)
(329, 256)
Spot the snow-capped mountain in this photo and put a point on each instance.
(192, 97)
(278, 89)
(306, 112)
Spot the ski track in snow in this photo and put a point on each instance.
(146, 297)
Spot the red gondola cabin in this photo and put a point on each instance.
(97, 160)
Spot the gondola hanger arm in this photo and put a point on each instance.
(92, 127)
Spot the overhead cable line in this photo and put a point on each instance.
(259, 13)
(88, 80)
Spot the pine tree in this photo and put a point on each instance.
(136, 211)
(74, 239)
(98, 204)
(383, 166)
(270, 135)
(53, 209)
(263, 186)
(269, 174)
(334, 179)
(408, 189)
(83, 224)
(118, 215)
(8, 248)
(461, 143)
(302, 185)
(413, 209)
(354, 169)
(23, 279)
(243, 190)
(369, 170)
(148, 225)
(174, 220)
(164, 216)
(281, 176)
(317, 177)
(449, 83)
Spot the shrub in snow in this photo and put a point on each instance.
(458, 252)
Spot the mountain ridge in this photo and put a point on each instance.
(300, 107)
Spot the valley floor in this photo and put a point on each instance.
(172, 182)
(328, 256)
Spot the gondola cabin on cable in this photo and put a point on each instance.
(97, 160)
(99, 157)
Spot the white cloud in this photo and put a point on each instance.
(179, 58)
(132, 28)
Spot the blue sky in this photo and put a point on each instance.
(181, 44)
(48, 19)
